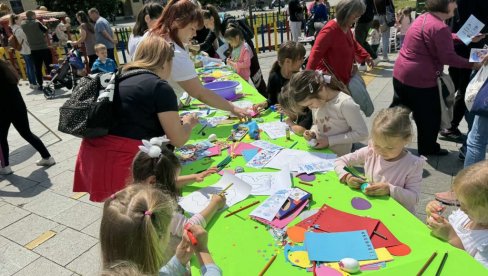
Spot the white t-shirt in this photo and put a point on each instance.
(133, 43)
(22, 38)
(183, 69)
(475, 242)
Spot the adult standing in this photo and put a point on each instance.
(36, 36)
(14, 112)
(335, 46)
(295, 11)
(178, 24)
(428, 46)
(87, 36)
(361, 30)
(146, 19)
(212, 23)
(25, 51)
(320, 15)
(103, 32)
(380, 9)
(146, 107)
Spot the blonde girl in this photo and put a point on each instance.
(390, 168)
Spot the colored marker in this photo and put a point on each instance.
(192, 238)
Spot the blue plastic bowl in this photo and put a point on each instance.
(225, 89)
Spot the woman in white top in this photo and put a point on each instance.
(178, 24)
(19, 34)
(146, 19)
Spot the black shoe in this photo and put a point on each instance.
(452, 134)
(440, 152)
(462, 154)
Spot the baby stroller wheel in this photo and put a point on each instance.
(48, 92)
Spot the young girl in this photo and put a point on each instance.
(404, 21)
(467, 227)
(135, 230)
(337, 121)
(241, 54)
(156, 165)
(389, 168)
(297, 122)
(375, 35)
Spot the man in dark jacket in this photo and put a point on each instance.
(362, 28)
(295, 11)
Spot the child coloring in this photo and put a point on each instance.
(467, 227)
(103, 64)
(389, 168)
(241, 54)
(135, 229)
(337, 120)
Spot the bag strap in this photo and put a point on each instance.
(116, 78)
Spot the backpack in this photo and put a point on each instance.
(89, 112)
(14, 43)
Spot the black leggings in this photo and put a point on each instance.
(40, 57)
(16, 113)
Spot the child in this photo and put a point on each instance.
(375, 35)
(297, 122)
(389, 168)
(467, 227)
(103, 64)
(404, 21)
(337, 120)
(241, 53)
(156, 165)
(135, 229)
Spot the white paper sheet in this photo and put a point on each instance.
(261, 159)
(471, 28)
(274, 129)
(265, 145)
(270, 207)
(266, 183)
(290, 159)
(324, 165)
(198, 200)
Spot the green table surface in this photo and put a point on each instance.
(242, 246)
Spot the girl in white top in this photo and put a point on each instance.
(25, 51)
(146, 19)
(467, 227)
(404, 21)
(337, 120)
(178, 24)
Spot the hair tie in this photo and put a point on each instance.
(310, 88)
(153, 146)
(148, 213)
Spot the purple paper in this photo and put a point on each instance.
(360, 203)
(306, 177)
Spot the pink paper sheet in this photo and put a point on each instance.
(240, 147)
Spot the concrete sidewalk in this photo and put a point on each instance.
(46, 229)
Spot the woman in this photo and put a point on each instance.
(17, 31)
(211, 21)
(14, 112)
(178, 24)
(146, 19)
(427, 47)
(147, 108)
(380, 9)
(336, 48)
(87, 36)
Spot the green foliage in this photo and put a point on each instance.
(107, 8)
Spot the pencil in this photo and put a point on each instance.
(267, 265)
(204, 126)
(379, 235)
(441, 266)
(294, 144)
(426, 265)
(242, 208)
(223, 191)
(305, 183)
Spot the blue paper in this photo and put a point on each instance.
(249, 154)
(332, 247)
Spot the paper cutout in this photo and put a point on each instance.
(274, 129)
(399, 250)
(282, 223)
(231, 171)
(239, 148)
(198, 200)
(213, 151)
(310, 167)
(324, 270)
(296, 234)
(266, 183)
(332, 247)
(266, 145)
(306, 177)
(288, 248)
(249, 154)
(476, 55)
(471, 28)
(300, 259)
(382, 254)
(270, 207)
(359, 203)
(261, 159)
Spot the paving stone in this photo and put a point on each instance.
(43, 266)
(10, 214)
(14, 257)
(89, 263)
(49, 204)
(86, 199)
(79, 216)
(19, 197)
(61, 184)
(27, 229)
(93, 229)
(65, 246)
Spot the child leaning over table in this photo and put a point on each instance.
(241, 54)
(389, 167)
(337, 120)
(103, 64)
(467, 227)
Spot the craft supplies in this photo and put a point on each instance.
(242, 208)
(192, 238)
(349, 265)
(267, 265)
(441, 266)
(305, 183)
(426, 265)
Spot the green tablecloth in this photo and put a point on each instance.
(242, 246)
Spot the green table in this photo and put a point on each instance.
(242, 246)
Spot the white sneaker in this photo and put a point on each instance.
(5, 170)
(46, 162)
(376, 61)
(385, 59)
(362, 68)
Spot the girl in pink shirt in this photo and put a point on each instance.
(241, 54)
(389, 168)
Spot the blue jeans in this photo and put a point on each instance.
(477, 141)
(385, 41)
(29, 68)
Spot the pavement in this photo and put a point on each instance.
(46, 229)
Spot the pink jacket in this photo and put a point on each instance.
(243, 65)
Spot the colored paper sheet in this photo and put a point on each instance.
(300, 259)
(274, 129)
(270, 207)
(213, 151)
(332, 247)
(281, 223)
(249, 154)
(471, 28)
(265, 145)
(239, 148)
(261, 159)
(324, 270)
(266, 183)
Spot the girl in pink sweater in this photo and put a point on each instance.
(241, 54)
(389, 168)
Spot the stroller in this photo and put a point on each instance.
(65, 74)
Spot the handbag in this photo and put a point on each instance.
(474, 86)
(480, 104)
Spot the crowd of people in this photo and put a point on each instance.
(326, 104)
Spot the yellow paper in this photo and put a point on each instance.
(300, 258)
(383, 256)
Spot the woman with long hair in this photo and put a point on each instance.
(146, 18)
(87, 36)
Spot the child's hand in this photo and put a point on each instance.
(434, 207)
(322, 143)
(354, 182)
(219, 200)
(440, 227)
(199, 177)
(377, 189)
(184, 250)
(259, 106)
(201, 236)
(190, 119)
(308, 135)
